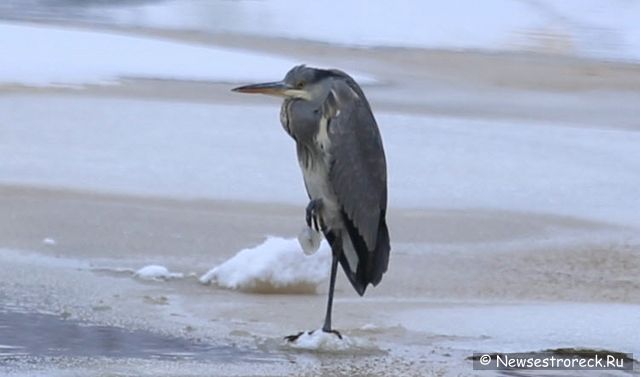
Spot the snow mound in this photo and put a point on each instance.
(49, 241)
(156, 272)
(275, 266)
(47, 55)
(321, 341)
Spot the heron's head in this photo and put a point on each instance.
(311, 84)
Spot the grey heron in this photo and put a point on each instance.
(343, 164)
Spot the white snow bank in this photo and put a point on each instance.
(583, 27)
(278, 265)
(47, 55)
(156, 272)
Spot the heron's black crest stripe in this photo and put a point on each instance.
(320, 74)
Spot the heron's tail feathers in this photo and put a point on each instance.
(361, 265)
(380, 256)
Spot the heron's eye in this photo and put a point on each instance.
(299, 84)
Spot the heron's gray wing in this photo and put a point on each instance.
(358, 172)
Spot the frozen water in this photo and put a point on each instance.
(241, 153)
(530, 327)
(41, 335)
(37, 259)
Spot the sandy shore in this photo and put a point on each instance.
(457, 251)
(470, 265)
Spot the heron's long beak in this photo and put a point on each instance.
(277, 88)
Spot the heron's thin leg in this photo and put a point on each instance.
(337, 251)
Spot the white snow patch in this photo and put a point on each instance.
(309, 240)
(49, 241)
(9, 347)
(118, 270)
(156, 272)
(47, 55)
(275, 266)
(321, 341)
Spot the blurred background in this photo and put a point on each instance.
(511, 134)
(592, 28)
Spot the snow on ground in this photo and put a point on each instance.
(156, 272)
(48, 55)
(49, 241)
(241, 153)
(583, 27)
(320, 341)
(275, 266)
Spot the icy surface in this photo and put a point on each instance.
(47, 55)
(531, 327)
(38, 259)
(156, 272)
(241, 153)
(276, 266)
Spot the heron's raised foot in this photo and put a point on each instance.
(313, 214)
(295, 337)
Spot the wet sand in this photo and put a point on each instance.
(442, 258)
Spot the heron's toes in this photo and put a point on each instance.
(293, 338)
(317, 223)
(334, 332)
(308, 217)
(313, 215)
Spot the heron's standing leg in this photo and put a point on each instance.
(336, 251)
(314, 217)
